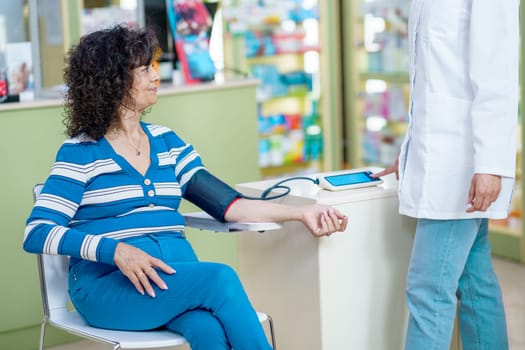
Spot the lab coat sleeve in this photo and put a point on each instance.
(493, 73)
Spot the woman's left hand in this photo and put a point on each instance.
(324, 220)
(141, 268)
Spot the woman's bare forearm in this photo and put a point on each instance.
(248, 210)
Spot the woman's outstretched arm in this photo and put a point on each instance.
(321, 220)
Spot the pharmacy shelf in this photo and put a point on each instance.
(506, 242)
(292, 46)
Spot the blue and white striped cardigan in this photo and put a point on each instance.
(93, 197)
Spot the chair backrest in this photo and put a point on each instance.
(53, 273)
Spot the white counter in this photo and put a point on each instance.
(164, 89)
(342, 292)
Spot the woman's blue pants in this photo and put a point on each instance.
(205, 302)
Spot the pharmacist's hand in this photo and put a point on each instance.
(393, 169)
(484, 190)
(139, 267)
(323, 220)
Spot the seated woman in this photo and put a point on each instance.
(111, 203)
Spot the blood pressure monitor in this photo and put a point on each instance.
(347, 180)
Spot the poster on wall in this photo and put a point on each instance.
(20, 70)
(190, 22)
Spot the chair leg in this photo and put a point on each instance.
(42, 333)
(272, 334)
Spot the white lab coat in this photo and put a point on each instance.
(463, 106)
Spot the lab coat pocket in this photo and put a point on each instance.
(450, 143)
(449, 153)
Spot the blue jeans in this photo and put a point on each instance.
(204, 301)
(451, 265)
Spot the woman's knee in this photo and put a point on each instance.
(201, 329)
(224, 276)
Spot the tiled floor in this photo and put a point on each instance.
(512, 279)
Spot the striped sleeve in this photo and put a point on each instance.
(187, 164)
(196, 183)
(186, 159)
(47, 228)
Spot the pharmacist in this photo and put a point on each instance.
(457, 165)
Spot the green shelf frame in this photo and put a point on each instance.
(390, 77)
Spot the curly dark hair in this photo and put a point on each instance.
(99, 77)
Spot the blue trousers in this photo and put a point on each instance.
(451, 264)
(204, 301)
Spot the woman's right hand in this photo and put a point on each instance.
(139, 267)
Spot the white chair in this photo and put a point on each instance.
(58, 312)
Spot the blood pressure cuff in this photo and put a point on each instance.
(210, 194)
